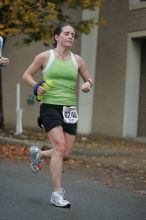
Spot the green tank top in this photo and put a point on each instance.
(63, 75)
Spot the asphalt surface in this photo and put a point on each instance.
(25, 196)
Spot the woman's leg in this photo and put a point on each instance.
(56, 137)
(69, 143)
(62, 143)
(45, 154)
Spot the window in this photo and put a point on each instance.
(137, 4)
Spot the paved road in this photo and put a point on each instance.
(25, 196)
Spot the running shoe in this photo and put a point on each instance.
(36, 162)
(58, 199)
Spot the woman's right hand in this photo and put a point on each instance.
(41, 90)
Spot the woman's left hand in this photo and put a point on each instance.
(86, 87)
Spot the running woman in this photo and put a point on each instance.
(58, 111)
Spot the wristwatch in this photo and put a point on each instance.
(90, 81)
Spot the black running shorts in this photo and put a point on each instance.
(51, 116)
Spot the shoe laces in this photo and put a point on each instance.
(62, 192)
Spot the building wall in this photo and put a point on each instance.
(111, 65)
(20, 59)
(88, 52)
(108, 115)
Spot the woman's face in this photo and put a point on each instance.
(66, 37)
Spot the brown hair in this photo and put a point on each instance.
(58, 30)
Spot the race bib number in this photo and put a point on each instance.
(70, 114)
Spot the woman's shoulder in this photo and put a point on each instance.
(77, 56)
(79, 59)
(43, 56)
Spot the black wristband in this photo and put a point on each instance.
(37, 86)
(91, 83)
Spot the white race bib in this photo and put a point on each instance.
(70, 114)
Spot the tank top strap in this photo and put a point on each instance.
(74, 60)
(52, 58)
(50, 61)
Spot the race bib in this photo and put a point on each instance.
(70, 114)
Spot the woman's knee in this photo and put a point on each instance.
(60, 147)
(67, 154)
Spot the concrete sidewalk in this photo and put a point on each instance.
(116, 162)
(131, 155)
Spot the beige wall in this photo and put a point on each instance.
(109, 97)
(111, 69)
(110, 76)
(20, 58)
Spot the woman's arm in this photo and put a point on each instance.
(83, 71)
(38, 64)
(35, 66)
